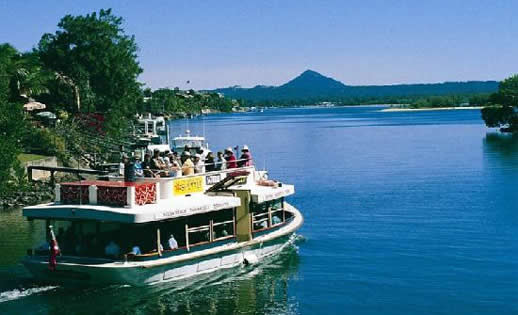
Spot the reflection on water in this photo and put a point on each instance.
(17, 235)
(505, 145)
(248, 290)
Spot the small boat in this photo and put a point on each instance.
(160, 229)
(195, 143)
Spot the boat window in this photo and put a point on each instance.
(260, 216)
(268, 214)
(223, 224)
(205, 228)
(176, 228)
(277, 212)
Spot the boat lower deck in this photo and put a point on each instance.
(169, 268)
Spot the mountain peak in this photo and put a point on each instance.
(312, 79)
(310, 72)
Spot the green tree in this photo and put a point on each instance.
(12, 126)
(98, 62)
(503, 109)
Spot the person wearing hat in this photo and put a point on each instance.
(199, 165)
(187, 164)
(246, 157)
(230, 158)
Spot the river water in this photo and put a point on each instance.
(405, 213)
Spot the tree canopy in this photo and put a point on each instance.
(503, 106)
(95, 60)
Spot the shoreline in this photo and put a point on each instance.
(394, 109)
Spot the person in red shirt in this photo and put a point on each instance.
(246, 157)
(231, 159)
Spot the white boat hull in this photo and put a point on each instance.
(172, 268)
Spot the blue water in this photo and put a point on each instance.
(405, 213)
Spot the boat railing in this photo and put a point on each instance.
(108, 193)
(146, 190)
(166, 172)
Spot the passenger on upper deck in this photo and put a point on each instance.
(204, 152)
(209, 163)
(246, 157)
(176, 158)
(157, 163)
(139, 172)
(187, 164)
(174, 166)
(230, 158)
(146, 166)
(129, 169)
(199, 166)
(221, 164)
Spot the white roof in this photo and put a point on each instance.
(188, 138)
(261, 194)
(160, 147)
(166, 209)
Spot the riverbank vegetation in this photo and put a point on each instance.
(86, 75)
(502, 107)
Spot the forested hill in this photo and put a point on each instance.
(311, 85)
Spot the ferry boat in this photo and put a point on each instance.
(116, 232)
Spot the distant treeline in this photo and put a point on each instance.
(311, 88)
(410, 101)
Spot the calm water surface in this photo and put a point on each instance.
(406, 213)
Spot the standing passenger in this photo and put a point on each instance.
(199, 165)
(231, 159)
(209, 163)
(222, 163)
(246, 157)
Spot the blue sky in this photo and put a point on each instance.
(223, 43)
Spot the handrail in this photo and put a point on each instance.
(222, 223)
(198, 228)
(181, 167)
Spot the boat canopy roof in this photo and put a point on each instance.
(159, 147)
(262, 194)
(164, 210)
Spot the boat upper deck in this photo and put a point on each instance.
(155, 199)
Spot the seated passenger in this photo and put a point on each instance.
(224, 231)
(112, 250)
(230, 158)
(199, 165)
(136, 250)
(157, 163)
(174, 166)
(187, 164)
(173, 244)
(276, 220)
(139, 172)
(147, 166)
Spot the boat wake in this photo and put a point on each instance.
(21, 293)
